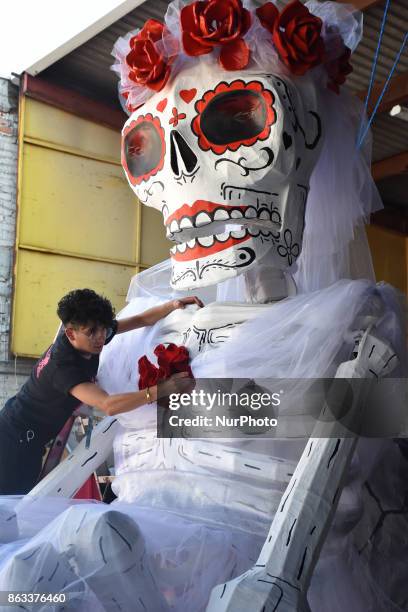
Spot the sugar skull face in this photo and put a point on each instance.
(227, 159)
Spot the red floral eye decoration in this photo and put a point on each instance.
(143, 148)
(233, 115)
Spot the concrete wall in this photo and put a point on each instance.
(12, 374)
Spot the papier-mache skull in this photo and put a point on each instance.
(225, 155)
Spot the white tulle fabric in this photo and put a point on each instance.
(341, 199)
(193, 524)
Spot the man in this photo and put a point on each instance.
(64, 377)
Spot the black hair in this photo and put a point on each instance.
(83, 306)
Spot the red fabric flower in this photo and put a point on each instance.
(210, 23)
(147, 65)
(296, 35)
(148, 373)
(338, 71)
(171, 359)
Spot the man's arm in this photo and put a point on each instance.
(151, 316)
(92, 395)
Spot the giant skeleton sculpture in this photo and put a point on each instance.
(229, 159)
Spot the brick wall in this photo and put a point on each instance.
(11, 374)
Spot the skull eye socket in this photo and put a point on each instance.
(143, 148)
(233, 115)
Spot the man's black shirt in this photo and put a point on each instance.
(44, 404)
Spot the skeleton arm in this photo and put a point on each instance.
(70, 474)
(281, 576)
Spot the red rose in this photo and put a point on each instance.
(147, 65)
(338, 71)
(296, 35)
(171, 359)
(211, 23)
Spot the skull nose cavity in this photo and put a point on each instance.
(182, 158)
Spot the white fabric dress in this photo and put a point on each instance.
(185, 521)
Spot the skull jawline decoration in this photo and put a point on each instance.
(224, 153)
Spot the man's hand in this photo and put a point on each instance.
(151, 316)
(177, 383)
(183, 302)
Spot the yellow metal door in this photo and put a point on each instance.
(78, 224)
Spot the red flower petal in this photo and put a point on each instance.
(279, 45)
(161, 82)
(235, 55)
(293, 10)
(293, 55)
(153, 55)
(300, 44)
(131, 58)
(193, 47)
(148, 373)
(268, 15)
(217, 11)
(187, 17)
(289, 29)
(153, 29)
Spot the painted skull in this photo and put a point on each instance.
(227, 159)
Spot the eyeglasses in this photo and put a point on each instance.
(96, 332)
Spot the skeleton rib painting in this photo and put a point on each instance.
(241, 134)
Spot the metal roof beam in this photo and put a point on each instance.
(397, 93)
(73, 102)
(397, 164)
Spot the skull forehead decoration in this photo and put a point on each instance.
(222, 139)
(227, 161)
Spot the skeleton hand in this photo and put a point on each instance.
(375, 358)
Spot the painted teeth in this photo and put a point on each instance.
(239, 234)
(221, 214)
(206, 241)
(223, 237)
(185, 223)
(202, 219)
(253, 231)
(250, 213)
(174, 227)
